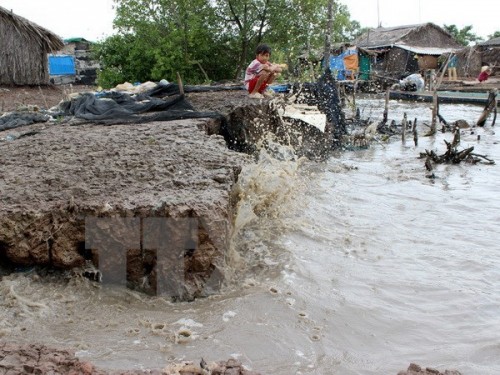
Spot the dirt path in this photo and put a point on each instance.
(44, 97)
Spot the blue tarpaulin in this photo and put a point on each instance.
(337, 66)
(61, 65)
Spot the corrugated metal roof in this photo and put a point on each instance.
(426, 50)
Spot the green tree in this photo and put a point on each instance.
(158, 38)
(210, 40)
(304, 34)
(464, 36)
(496, 34)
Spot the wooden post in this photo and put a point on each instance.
(354, 87)
(415, 134)
(490, 106)
(494, 113)
(434, 112)
(403, 130)
(341, 91)
(438, 83)
(181, 86)
(386, 109)
(328, 34)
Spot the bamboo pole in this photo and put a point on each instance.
(440, 80)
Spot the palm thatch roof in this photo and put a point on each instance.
(47, 39)
(495, 42)
(24, 47)
(422, 35)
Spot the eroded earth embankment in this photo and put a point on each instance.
(55, 177)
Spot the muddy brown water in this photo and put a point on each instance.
(356, 265)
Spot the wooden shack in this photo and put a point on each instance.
(403, 50)
(24, 46)
(490, 54)
(85, 67)
(472, 58)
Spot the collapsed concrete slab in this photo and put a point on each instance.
(157, 194)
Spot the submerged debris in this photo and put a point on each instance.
(453, 155)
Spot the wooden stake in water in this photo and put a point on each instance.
(491, 105)
(415, 134)
(434, 112)
(403, 130)
(386, 109)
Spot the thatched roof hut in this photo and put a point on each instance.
(407, 49)
(471, 59)
(490, 53)
(495, 42)
(24, 47)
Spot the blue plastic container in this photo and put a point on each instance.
(279, 88)
(60, 65)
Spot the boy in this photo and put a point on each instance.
(261, 73)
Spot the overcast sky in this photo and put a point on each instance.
(92, 19)
(89, 19)
(484, 16)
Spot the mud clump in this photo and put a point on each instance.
(40, 359)
(415, 369)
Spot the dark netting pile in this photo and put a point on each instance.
(162, 103)
(173, 89)
(16, 119)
